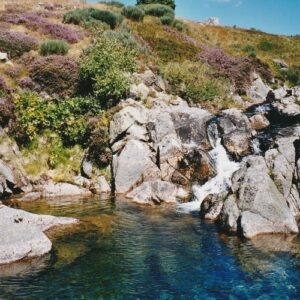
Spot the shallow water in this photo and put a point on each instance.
(123, 251)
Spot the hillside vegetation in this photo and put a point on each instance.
(69, 68)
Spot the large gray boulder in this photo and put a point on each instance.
(133, 166)
(22, 234)
(236, 132)
(149, 143)
(281, 161)
(258, 90)
(263, 208)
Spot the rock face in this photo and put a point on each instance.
(13, 178)
(22, 234)
(258, 207)
(236, 130)
(258, 91)
(158, 143)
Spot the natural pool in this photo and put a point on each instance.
(123, 251)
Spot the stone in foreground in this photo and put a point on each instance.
(22, 234)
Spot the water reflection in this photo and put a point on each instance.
(123, 251)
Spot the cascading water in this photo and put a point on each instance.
(220, 183)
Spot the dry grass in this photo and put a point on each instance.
(234, 41)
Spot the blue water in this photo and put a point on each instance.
(123, 251)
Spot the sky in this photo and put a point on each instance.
(273, 16)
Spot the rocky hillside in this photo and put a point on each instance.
(132, 101)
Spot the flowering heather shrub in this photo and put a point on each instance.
(26, 83)
(4, 88)
(14, 71)
(6, 110)
(237, 69)
(34, 21)
(16, 43)
(55, 74)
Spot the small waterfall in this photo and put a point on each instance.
(220, 183)
(255, 145)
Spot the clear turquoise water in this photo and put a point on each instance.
(122, 251)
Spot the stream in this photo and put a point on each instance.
(124, 251)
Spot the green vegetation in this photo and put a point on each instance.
(134, 13)
(170, 3)
(58, 47)
(158, 10)
(46, 153)
(67, 118)
(167, 20)
(195, 81)
(80, 16)
(103, 69)
(292, 75)
(112, 3)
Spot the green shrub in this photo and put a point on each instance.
(194, 81)
(107, 17)
(179, 25)
(58, 47)
(126, 39)
(292, 75)
(167, 20)
(68, 118)
(134, 13)
(82, 15)
(170, 3)
(158, 10)
(103, 67)
(265, 46)
(113, 3)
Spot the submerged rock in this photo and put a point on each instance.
(51, 189)
(22, 234)
(157, 192)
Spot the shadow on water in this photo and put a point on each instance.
(123, 251)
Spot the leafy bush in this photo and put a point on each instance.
(33, 21)
(265, 46)
(68, 118)
(113, 3)
(170, 3)
(134, 13)
(167, 20)
(158, 10)
(54, 47)
(179, 25)
(292, 75)
(16, 43)
(82, 15)
(55, 74)
(126, 39)
(103, 67)
(195, 81)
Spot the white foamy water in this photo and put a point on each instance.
(255, 145)
(220, 183)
